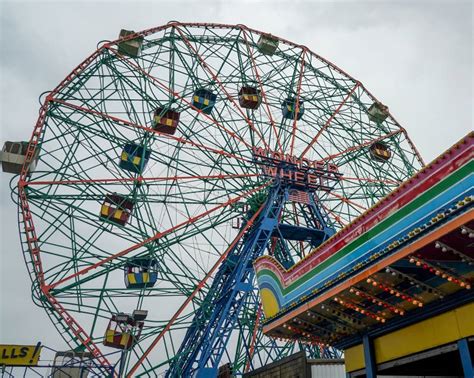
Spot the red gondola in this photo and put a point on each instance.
(116, 209)
(249, 97)
(124, 330)
(165, 120)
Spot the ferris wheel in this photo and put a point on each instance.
(170, 159)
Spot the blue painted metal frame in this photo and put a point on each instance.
(369, 357)
(466, 360)
(206, 339)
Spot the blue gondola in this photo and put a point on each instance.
(204, 100)
(141, 273)
(134, 158)
(289, 109)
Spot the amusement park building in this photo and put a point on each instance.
(394, 288)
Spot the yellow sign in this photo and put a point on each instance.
(20, 355)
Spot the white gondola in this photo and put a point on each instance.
(13, 156)
(378, 112)
(72, 364)
(131, 47)
(267, 44)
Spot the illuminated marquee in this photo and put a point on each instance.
(311, 174)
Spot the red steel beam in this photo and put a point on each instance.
(328, 122)
(157, 236)
(194, 293)
(177, 96)
(362, 145)
(123, 122)
(214, 76)
(262, 91)
(297, 105)
(140, 179)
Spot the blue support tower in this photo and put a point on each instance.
(207, 337)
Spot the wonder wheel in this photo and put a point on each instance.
(170, 159)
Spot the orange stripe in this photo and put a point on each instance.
(433, 236)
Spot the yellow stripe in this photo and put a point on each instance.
(196, 98)
(269, 302)
(430, 333)
(354, 358)
(104, 210)
(124, 156)
(427, 334)
(169, 122)
(251, 98)
(382, 153)
(109, 335)
(124, 339)
(136, 160)
(118, 213)
(206, 101)
(464, 318)
(131, 278)
(145, 277)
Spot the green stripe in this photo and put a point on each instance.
(382, 226)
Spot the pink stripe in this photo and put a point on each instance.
(433, 173)
(393, 202)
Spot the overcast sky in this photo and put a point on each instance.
(416, 57)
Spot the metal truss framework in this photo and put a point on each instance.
(196, 182)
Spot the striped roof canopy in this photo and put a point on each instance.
(409, 254)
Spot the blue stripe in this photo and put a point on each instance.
(395, 232)
(415, 219)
